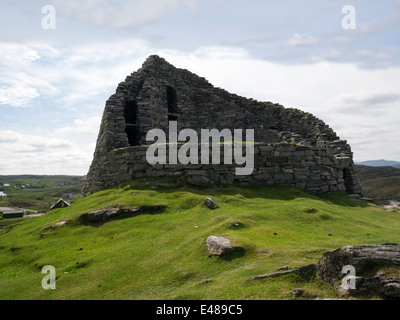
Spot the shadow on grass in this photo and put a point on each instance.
(121, 215)
(238, 252)
(173, 184)
(342, 199)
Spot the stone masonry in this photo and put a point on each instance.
(292, 147)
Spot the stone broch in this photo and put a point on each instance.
(292, 147)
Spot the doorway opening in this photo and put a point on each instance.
(348, 180)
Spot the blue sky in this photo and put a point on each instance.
(54, 83)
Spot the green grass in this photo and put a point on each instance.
(163, 256)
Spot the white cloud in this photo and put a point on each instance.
(16, 55)
(21, 80)
(215, 52)
(28, 144)
(329, 55)
(119, 14)
(17, 94)
(89, 126)
(366, 101)
(26, 153)
(8, 136)
(297, 40)
(13, 58)
(72, 75)
(342, 39)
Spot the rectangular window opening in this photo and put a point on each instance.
(132, 128)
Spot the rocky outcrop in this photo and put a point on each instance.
(382, 286)
(365, 259)
(377, 270)
(104, 215)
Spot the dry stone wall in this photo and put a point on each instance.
(308, 168)
(292, 147)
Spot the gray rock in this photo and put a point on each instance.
(388, 288)
(206, 281)
(210, 203)
(362, 258)
(367, 261)
(103, 215)
(298, 292)
(284, 268)
(218, 245)
(59, 224)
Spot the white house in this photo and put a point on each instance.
(2, 195)
(68, 195)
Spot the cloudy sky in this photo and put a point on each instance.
(54, 82)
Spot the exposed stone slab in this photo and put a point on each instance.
(104, 215)
(219, 245)
(301, 271)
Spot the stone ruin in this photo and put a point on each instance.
(291, 147)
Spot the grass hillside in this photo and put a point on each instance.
(380, 182)
(162, 255)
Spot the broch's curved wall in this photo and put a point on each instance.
(292, 147)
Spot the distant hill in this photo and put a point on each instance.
(380, 182)
(379, 163)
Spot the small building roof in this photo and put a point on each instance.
(13, 211)
(61, 203)
(9, 214)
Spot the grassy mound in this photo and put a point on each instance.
(162, 254)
